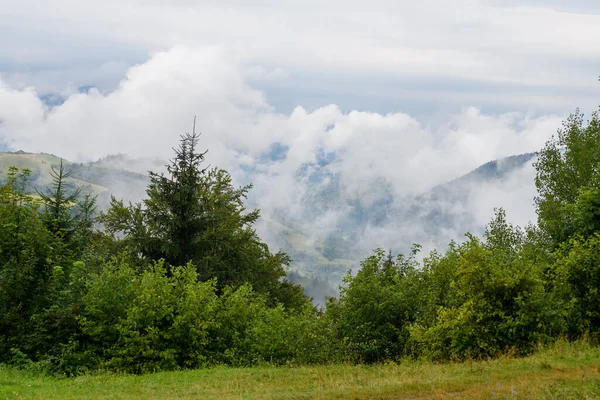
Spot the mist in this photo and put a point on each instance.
(311, 170)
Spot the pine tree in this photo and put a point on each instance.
(195, 214)
(58, 201)
(175, 211)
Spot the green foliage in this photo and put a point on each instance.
(58, 202)
(376, 307)
(149, 321)
(155, 320)
(578, 282)
(568, 182)
(68, 215)
(565, 166)
(176, 212)
(584, 212)
(37, 295)
(55, 324)
(198, 215)
(24, 271)
(182, 280)
(497, 298)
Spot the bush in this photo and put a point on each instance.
(376, 307)
(499, 300)
(25, 247)
(163, 319)
(577, 281)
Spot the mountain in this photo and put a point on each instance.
(333, 230)
(491, 171)
(94, 177)
(446, 206)
(384, 218)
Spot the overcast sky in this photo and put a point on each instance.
(381, 55)
(415, 92)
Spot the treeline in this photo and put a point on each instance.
(181, 280)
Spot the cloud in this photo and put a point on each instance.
(537, 55)
(144, 115)
(154, 103)
(293, 159)
(515, 194)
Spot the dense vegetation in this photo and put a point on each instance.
(182, 280)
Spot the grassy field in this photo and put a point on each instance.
(565, 371)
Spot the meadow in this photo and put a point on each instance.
(562, 371)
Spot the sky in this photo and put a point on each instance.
(382, 55)
(413, 93)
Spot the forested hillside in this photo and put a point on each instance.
(181, 279)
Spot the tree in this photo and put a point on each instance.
(568, 206)
(58, 201)
(565, 166)
(85, 218)
(577, 281)
(25, 245)
(68, 215)
(196, 214)
(175, 210)
(494, 298)
(376, 307)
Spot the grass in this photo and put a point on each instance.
(564, 371)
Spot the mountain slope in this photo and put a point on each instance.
(322, 252)
(96, 178)
(387, 218)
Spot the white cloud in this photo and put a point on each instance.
(144, 115)
(535, 53)
(371, 153)
(157, 99)
(515, 194)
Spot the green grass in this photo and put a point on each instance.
(565, 371)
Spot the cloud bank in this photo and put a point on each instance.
(289, 157)
(533, 54)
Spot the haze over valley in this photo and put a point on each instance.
(328, 230)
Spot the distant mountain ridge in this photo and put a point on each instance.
(492, 170)
(92, 177)
(428, 216)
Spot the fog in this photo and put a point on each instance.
(311, 170)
